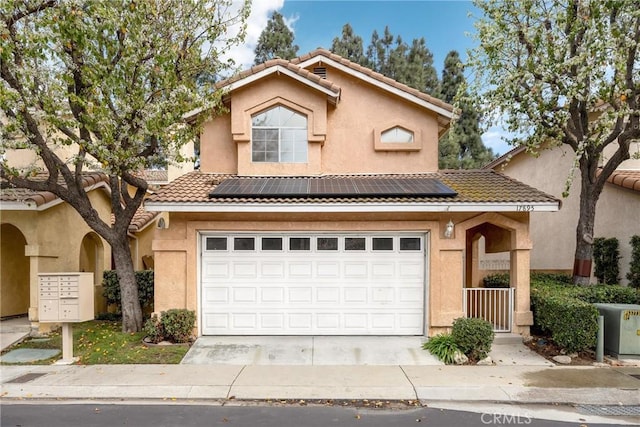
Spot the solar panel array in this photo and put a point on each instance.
(330, 187)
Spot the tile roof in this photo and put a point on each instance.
(505, 157)
(141, 219)
(289, 65)
(39, 198)
(154, 175)
(472, 186)
(626, 179)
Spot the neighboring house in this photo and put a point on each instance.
(319, 210)
(40, 233)
(554, 235)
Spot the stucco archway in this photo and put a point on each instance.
(91, 260)
(14, 277)
(501, 234)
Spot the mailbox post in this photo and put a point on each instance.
(65, 298)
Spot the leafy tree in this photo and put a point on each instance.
(462, 147)
(452, 77)
(379, 51)
(349, 46)
(275, 41)
(411, 65)
(422, 75)
(397, 64)
(564, 72)
(111, 80)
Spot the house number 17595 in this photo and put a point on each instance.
(524, 208)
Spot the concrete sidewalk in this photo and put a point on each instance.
(13, 330)
(223, 369)
(513, 384)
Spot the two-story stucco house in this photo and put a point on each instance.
(319, 210)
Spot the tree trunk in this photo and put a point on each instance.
(131, 311)
(584, 232)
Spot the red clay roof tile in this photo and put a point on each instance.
(39, 198)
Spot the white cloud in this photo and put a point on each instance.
(260, 13)
(494, 138)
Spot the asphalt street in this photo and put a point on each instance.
(172, 415)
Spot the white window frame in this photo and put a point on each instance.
(280, 128)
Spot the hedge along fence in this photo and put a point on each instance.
(567, 312)
(573, 324)
(144, 280)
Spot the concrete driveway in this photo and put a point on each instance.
(300, 350)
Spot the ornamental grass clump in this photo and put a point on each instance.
(443, 347)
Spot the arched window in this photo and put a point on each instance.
(279, 135)
(396, 134)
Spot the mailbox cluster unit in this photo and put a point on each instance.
(65, 297)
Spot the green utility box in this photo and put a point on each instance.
(621, 329)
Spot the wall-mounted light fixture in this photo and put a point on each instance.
(449, 229)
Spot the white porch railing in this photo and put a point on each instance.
(494, 305)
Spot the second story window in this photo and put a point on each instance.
(397, 134)
(279, 135)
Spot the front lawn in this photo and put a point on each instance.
(103, 342)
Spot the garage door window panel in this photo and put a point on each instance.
(216, 244)
(355, 244)
(244, 244)
(300, 243)
(272, 243)
(410, 244)
(327, 243)
(383, 243)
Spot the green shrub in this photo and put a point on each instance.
(498, 280)
(551, 278)
(473, 337)
(175, 325)
(566, 311)
(443, 347)
(612, 294)
(634, 266)
(606, 256)
(153, 329)
(111, 317)
(111, 289)
(178, 324)
(571, 322)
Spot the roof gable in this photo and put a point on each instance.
(296, 69)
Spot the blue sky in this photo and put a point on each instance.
(444, 24)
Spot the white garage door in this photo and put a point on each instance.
(302, 284)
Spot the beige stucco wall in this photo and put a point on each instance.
(54, 239)
(553, 233)
(337, 134)
(140, 243)
(176, 253)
